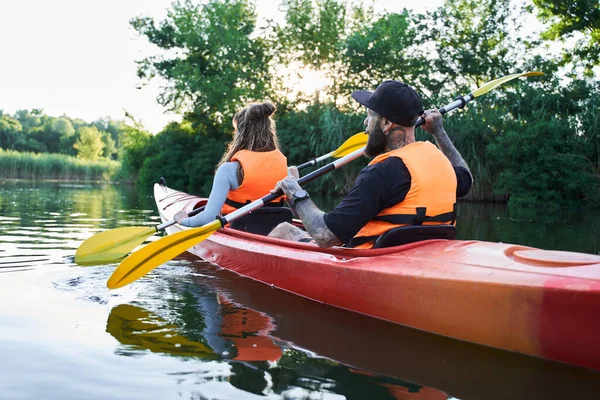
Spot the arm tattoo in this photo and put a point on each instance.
(315, 225)
(447, 147)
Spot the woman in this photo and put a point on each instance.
(250, 167)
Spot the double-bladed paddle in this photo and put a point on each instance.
(156, 253)
(114, 244)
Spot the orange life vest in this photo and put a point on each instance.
(430, 200)
(262, 171)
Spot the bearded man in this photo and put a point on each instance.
(406, 183)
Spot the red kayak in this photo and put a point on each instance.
(517, 298)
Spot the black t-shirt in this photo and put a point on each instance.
(378, 186)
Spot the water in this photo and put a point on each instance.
(190, 330)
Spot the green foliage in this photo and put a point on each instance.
(542, 171)
(574, 18)
(200, 168)
(544, 150)
(135, 143)
(184, 158)
(10, 129)
(383, 49)
(89, 143)
(319, 129)
(21, 165)
(63, 127)
(33, 131)
(109, 149)
(313, 31)
(213, 60)
(471, 44)
(353, 48)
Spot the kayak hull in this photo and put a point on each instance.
(516, 298)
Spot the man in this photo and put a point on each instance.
(407, 183)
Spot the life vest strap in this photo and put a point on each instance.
(359, 241)
(406, 219)
(236, 204)
(419, 217)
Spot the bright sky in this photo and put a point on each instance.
(77, 57)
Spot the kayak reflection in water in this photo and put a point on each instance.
(407, 183)
(243, 334)
(241, 337)
(250, 168)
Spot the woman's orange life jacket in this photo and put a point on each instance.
(262, 171)
(430, 200)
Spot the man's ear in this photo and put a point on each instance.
(386, 125)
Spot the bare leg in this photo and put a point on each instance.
(287, 231)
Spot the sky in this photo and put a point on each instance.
(77, 57)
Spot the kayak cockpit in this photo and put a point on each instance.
(265, 219)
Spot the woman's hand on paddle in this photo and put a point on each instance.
(180, 216)
(433, 122)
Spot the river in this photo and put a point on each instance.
(190, 330)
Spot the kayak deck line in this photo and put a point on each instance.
(517, 298)
(347, 255)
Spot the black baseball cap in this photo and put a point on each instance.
(393, 100)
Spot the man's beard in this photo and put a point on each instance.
(376, 143)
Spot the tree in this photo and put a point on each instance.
(89, 143)
(135, 145)
(29, 119)
(470, 42)
(109, 150)
(63, 127)
(569, 18)
(170, 151)
(10, 128)
(212, 59)
(384, 49)
(313, 36)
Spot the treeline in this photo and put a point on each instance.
(36, 145)
(35, 132)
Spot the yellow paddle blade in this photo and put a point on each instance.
(497, 82)
(158, 252)
(112, 245)
(353, 143)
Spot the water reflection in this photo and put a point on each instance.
(43, 222)
(275, 341)
(563, 229)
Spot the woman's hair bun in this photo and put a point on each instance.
(260, 110)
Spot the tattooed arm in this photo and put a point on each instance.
(434, 125)
(310, 214)
(313, 220)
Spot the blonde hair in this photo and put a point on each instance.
(254, 130)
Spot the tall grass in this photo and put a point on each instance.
(17, 165)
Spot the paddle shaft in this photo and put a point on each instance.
(305, 179)
(314, 161)
(459, 102)
(173, 222)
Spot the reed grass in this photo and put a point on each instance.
(17, 165)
